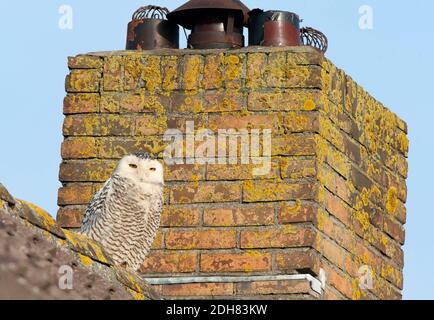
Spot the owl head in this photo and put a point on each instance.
(141, 168)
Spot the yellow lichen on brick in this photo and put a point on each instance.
(362, 201)
(83, 81)
(233, 70)
(133, 67)
(256, 63)
(392, 200)
(384, 240)
(322, 218)
(337, 160)
(403, 143)
(328, 130)
(152, 73)
(192, 74)
(232, 67)
(309, 105)
(214, 69)
(170, 72)
(295, 208)
(192, 104)
(154, 146)
(276, 69)
(299, 76)
(356, 289)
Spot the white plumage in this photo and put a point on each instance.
(124, 216)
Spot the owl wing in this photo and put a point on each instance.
(95, 209)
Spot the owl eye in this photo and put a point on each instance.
(134, 166)
(153, 169)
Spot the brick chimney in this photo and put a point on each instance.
(326, 222)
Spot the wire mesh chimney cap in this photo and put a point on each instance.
(187, 14)
(150, 12)
(314, 38)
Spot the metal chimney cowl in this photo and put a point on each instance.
(149, 29)
(215, 24)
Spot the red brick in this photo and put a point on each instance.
(86, 171)
(179, 122)
(297, 212)
(84, 62)
(293, 260)
(81, 148)
(283, 237)
(341, 282)
(394, 229)
(200, 239)
(234, 70)
(118, 147)
(293, 145)
(256, 65)
(278, 191)
(70, 217)
(149, 126)
(167, 262)
(80, 103)
(401, 212)
(75, 194)
(180, 217)
(198, 289)
(223, 102)
(253, 261)
(170, 74)
(133, 72)
(213, 75)
(275, 75)
(83, 81)
(98, 125)
(274, 287)
(334, 253)
(238, 122)
(336, 184)
(192, 71)
(205, 193)
(304, 77)
(337, 207)
(113, 73)
(231, 172)
(158, 241)
(297, 99)
(296, 168)
(184, 103)
(257, 215)
(184, 172)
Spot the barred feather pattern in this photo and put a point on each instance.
(124, 218)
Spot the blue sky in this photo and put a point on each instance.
(393, 61)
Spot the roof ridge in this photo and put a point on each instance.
(87, 250)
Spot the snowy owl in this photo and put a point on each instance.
(124, 215)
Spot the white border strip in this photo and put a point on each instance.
(315, 284)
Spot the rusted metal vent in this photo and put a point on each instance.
(214, 23)
(274, 28)
(149, 29)
(281, 28)
(314, 38)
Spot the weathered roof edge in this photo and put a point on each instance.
(88, 251)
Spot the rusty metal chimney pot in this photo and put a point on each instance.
(149, 29)
(214, 23)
